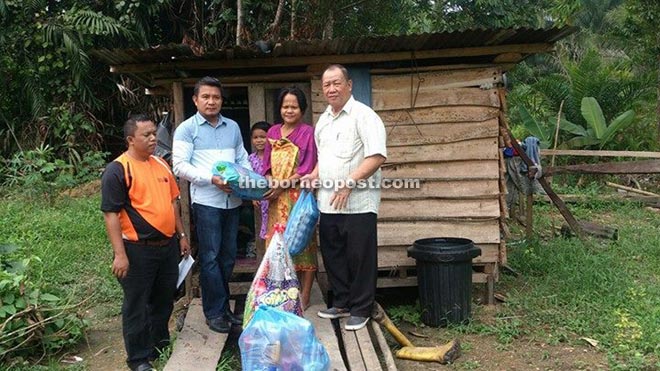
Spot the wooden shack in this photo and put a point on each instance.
(440, 96)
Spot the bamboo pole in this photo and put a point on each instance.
(630, 189)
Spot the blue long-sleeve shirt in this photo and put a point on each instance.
(197, 146)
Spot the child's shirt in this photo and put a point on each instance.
(258, 166)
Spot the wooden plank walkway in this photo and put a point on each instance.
(196, 346)
(324, 329)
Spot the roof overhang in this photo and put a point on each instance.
(300, 59)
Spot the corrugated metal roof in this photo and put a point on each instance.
(158, 65)
(341, 46)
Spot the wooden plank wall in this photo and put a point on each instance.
(442, 129)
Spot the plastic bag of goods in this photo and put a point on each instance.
(278, 340)
(302, 221)
(275, 284)
(244, 183)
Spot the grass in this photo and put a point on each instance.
(606, 290)
(69, 237)
(603, 290)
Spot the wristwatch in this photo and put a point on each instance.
(182, 235)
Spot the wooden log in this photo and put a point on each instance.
(529, 216)
(630, 189)
(594, 229)
(574, 152)
(628, 167)
(184, 190)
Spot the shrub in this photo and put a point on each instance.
(33, 318)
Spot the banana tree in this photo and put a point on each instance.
(599, 133)
(544, 129)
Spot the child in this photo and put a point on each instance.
(258, 135)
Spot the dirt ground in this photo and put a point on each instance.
(105, 350)
(483, 352)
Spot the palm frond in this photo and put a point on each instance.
(3, 9)
(37, 102)
(32, 6)
(97, 24)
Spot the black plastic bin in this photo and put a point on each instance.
(444, 278)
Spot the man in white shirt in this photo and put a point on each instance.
(199, 142)
(351, 143)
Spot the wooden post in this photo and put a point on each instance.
(179, 116)
(529, 214)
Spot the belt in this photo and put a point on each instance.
(156, 243)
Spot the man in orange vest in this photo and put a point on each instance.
(139, 200)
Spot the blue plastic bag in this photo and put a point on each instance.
(302, 220)
(278, 340)
(244, 183)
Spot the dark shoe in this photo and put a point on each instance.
(333, 313)
(219, 325)
(146, 366)
(355, 323)
(233, 319)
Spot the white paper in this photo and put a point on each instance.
(184, 268)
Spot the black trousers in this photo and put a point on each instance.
(149, 289)
(349, 249)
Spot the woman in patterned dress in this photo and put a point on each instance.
(291, 153)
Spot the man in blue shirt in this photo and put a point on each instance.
(199, 142)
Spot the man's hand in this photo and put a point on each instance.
(120, 266)
(221, 184)
(184, 246)
(339, 199)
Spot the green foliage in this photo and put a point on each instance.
(537, 95)
(599, 132)
(228, 362)
(69, 236)
(607, 291)
(34, 318)
(39, 172)
(408, 313)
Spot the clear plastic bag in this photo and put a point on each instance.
(275, 284)
(302, 221)
(278, 340)
(244, 183)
